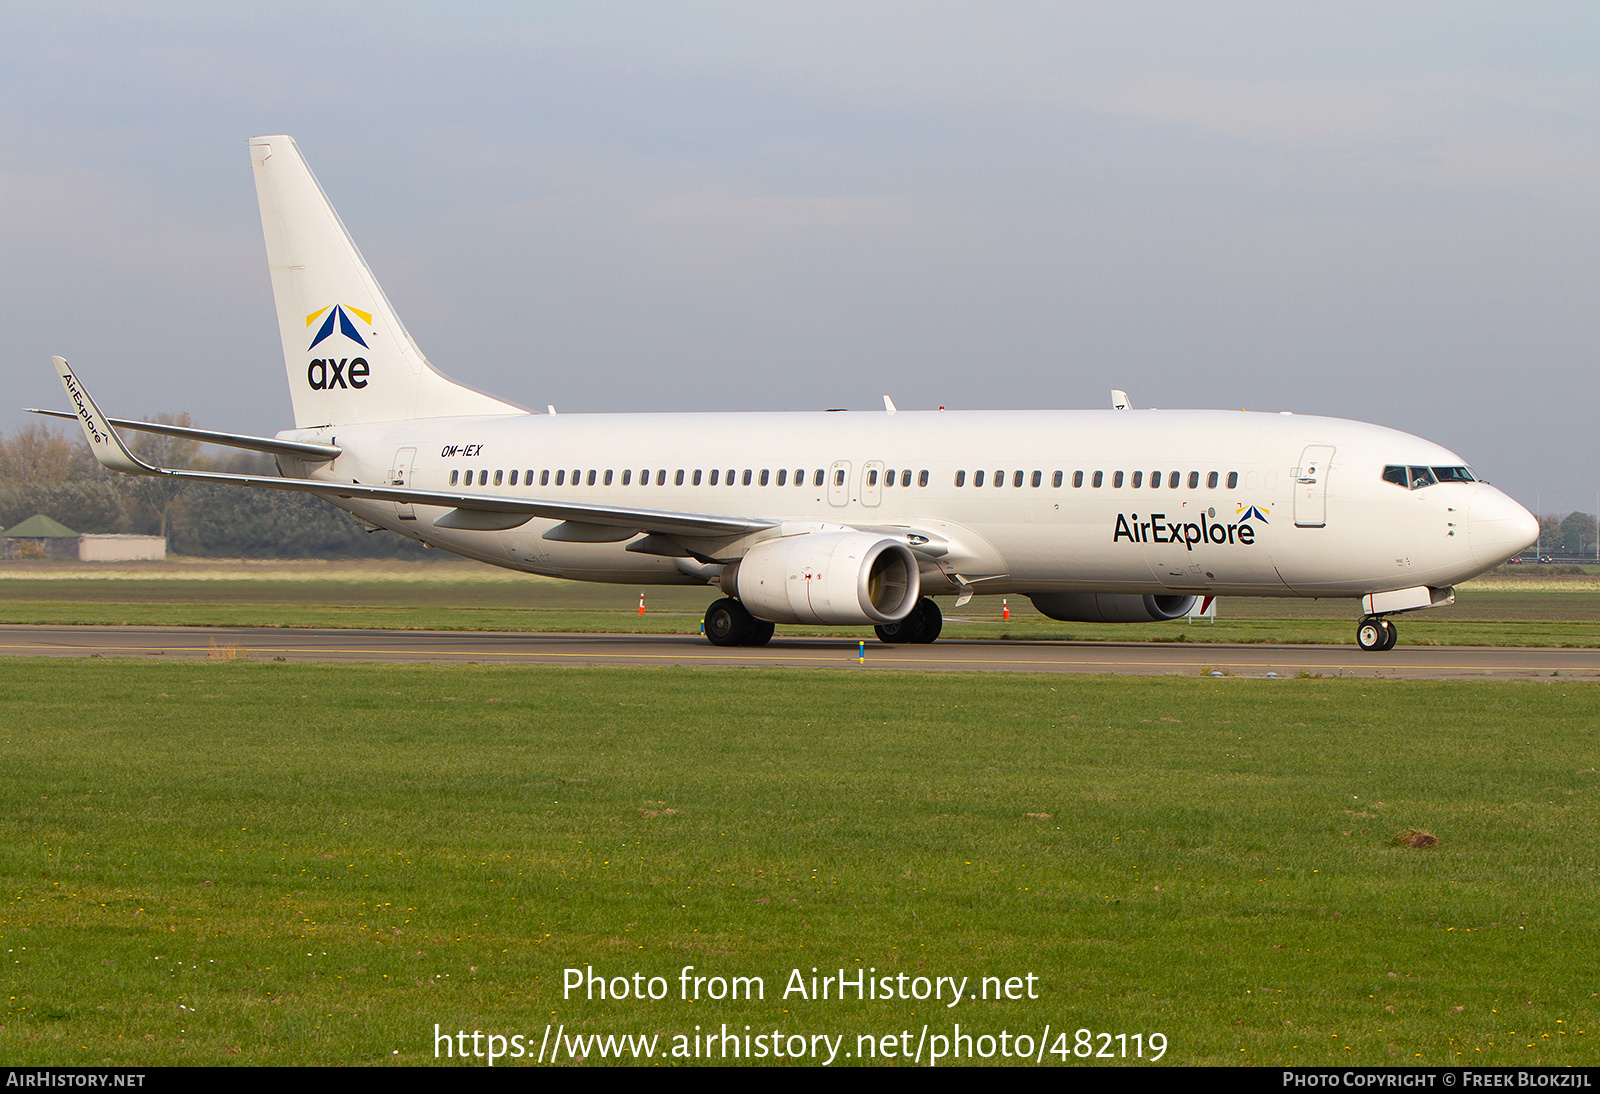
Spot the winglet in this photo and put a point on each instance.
(103, 440)
(1119, 399)
(888, 404)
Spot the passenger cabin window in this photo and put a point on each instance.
(661, 477)
(455, 476)
(1233, 480)
(961, 478)
(838, 477)
(1172, 479)
(714, 474)
(1055, 480)
(783, 476)
(817, 479)
(1194, 480)
(1016, 478)
(627, 476)
(1138, 480)
(1038, 479)
(1211, 481)
(1099, 477)
(561, 478)
(767, 475)
(513, 478)
(1077, 478)
(608, 476)
(591, 478)
(697, 476)
(922, 478)
(1116, 480)
(977, 478)
(544, 478)
(1155, 480)
(677, 479)
(499, 477)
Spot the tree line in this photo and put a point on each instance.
(43, 470)
(1571, 536)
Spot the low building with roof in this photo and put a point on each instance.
(120, 548)
(40, 537)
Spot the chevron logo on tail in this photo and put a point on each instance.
(342, 314)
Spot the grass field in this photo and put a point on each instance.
(454, 595)
(227, 862)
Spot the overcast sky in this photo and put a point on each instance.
(1376, 211)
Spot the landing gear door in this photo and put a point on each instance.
(839, 483)
(400, 475)
(1311, 486)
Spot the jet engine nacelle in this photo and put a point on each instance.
(826, 577)
(1112, 607)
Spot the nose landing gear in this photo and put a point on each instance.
(1376, 634)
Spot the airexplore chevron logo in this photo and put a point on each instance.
(340, 313)
(1253, 512)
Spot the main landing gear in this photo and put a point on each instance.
(729, 624)
(922, 625)
(1376, 634)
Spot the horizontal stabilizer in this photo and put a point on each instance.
(278, 447)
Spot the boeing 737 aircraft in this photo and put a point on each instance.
(839, 518)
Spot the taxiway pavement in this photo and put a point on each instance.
(951, 655)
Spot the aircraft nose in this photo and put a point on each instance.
(1499, 528)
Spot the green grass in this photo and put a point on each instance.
(323, 861)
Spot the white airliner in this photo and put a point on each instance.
(839, 517)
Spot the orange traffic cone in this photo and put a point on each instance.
(1005, 608)
(641, 603)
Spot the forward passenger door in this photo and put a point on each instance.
(1311, 486)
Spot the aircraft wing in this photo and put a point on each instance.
(110, 450)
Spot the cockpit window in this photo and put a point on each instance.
(1415, 478)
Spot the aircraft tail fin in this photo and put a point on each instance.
(349, 358)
